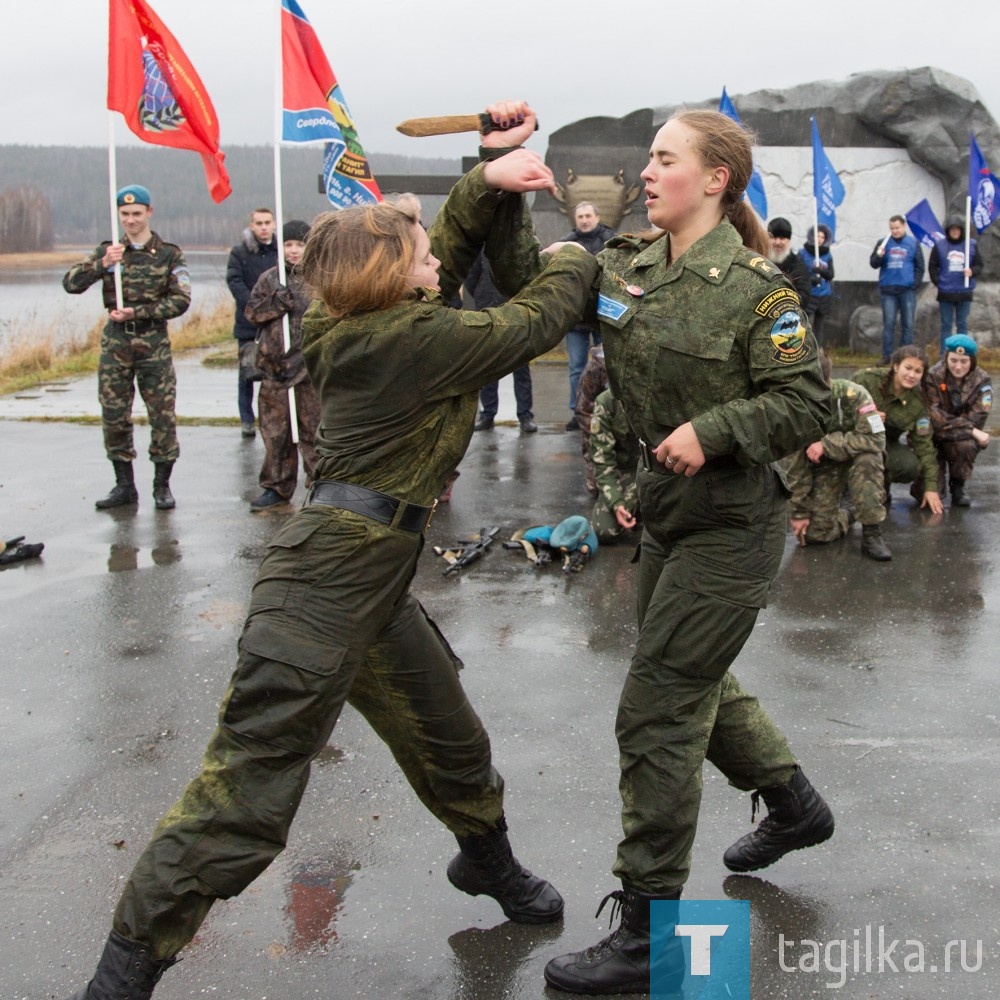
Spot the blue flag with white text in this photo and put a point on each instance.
(924, 224)
(827, 188)
(984, 188)
(755, 189)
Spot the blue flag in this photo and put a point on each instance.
(984, 188)
(924, 224)
(827, 189)
(755, 189)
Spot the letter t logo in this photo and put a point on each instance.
(701, 944)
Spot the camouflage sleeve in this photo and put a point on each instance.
(958, 427)
(602, 454)
(268, 300)
(798, 472)
(790, 402)
(85, 273)
(868, 433)
(176, 297)
(462, 225)
(459, 350)
(920, 437)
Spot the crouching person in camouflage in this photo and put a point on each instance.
(614, 454)
(135, 348)
(847, 458)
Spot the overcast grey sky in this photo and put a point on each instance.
(397, 60)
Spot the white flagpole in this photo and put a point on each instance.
(113, 198)
(279, 220)
(968, 233)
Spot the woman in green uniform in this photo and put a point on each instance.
(899, 396)
(331, 617)
(709, 353)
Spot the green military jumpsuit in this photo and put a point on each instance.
(717, 338)
(331, 617)
(157, 285)
(916, 461)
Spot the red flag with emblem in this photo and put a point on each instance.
(155, 87)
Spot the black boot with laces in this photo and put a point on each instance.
(486, 866)
(621, 962)
(126, 971)
(796, 817)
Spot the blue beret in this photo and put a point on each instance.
(134, 194)
(961, 343)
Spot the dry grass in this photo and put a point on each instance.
(41, 359)
(39, 259)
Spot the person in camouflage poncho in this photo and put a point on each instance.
(959, 401)
(614, 452)
(135, 348)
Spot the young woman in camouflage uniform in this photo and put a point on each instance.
(708, 351)
(331, 618)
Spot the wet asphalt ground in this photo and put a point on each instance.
(116, 645)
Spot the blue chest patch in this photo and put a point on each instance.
(610, 308)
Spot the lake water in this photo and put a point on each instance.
(33, 305)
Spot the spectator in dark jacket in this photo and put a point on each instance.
(791, 264)
(948, 268)
(591, 234)
(256, 253)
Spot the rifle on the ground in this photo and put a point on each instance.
(467, 550)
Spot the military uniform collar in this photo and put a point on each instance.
(151, 245)
(710, 257)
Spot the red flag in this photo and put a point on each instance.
(156, 89)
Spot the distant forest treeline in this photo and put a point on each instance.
(75, 180)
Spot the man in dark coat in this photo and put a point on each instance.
(791, 264)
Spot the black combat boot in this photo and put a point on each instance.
(126, 971)
(620, 963)
(162, 496)
(124, 491)
(796, 817)
(873, 544)
(959, 498)
(486, 866)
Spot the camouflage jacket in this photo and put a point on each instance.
(854, 428)
(155, 280)
(399, 387)
(904, 414)
(955, 407)
(268, 302)
(614, 451)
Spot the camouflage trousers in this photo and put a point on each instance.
(680, 705)
(959, 457)
(864, 480)
(142, 360)
(280, 471)
(331, 621)
(902, 464)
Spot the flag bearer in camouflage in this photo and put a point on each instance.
(848, 457)
(898, 394)
(959, 401)
(283, 372)
(331, 617)
(614, 452)
(135, 348)
(709, 354)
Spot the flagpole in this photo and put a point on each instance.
(113, 198)
(279, 219)
(968, 234)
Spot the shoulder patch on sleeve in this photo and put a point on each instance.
(786, 298)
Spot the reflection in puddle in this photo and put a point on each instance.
(315, 895)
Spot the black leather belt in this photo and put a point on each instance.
(378, 506)
(649, 461)
(134, 326)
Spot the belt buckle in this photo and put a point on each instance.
(430, 516)
(644, 456)
(129, 325)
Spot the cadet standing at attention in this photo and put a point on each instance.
(135, 348)
(708, 351)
